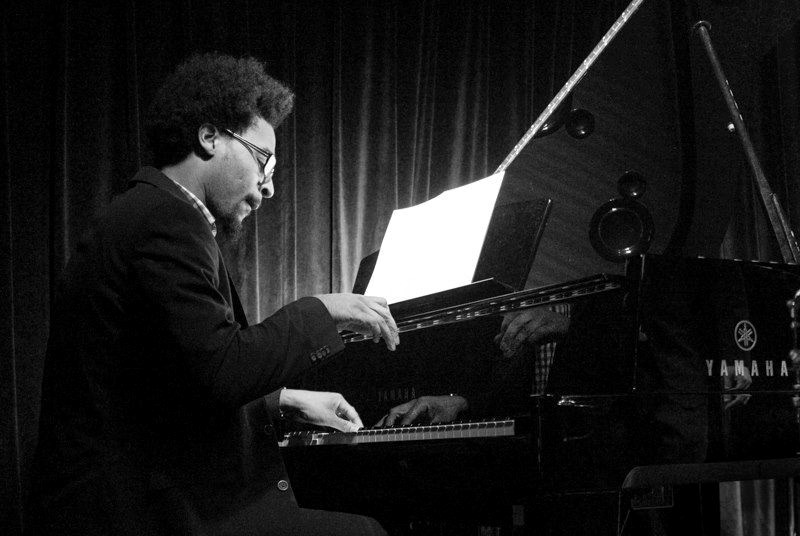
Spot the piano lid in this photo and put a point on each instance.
(630, 92)
(650, 104)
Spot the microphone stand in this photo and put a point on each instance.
(780, 225)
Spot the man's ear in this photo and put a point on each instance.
(207, 138)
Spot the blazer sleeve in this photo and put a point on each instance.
(175, 271)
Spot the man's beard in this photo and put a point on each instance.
(229, 230)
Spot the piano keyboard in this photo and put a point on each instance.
(461, 430)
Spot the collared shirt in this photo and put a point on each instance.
(196, 203)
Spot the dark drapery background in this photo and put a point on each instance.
(396, 102)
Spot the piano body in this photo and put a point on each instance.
(640, 382)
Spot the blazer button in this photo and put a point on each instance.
(283, 485)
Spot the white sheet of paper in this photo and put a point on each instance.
(434, 246)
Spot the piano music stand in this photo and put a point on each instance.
(509, 248)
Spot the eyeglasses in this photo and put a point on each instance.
(267, 167)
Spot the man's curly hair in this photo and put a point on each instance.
(212, 88)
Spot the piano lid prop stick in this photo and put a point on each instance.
(780, 225)
(571, 83)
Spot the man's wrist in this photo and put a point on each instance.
(289, 401)
(281, 403)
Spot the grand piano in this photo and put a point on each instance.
(640, 387)
(675, 371)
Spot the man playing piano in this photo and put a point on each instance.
(150, 356)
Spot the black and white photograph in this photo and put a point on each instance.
(423, 268)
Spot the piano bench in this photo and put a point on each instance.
(674, 491)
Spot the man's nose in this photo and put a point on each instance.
(254, 199)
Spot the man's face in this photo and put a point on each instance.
(232, 193)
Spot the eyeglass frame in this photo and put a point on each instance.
(270, 157)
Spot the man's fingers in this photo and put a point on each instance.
(388, 326)
(388, 335)
(380, 306)
(344, 425)
(536, 335)
(413, 413)
(743, 382)
(516, 334)
(378, 329)
(735, 401)
(375, 329)
(437, 418)
(533, 326)
(509, 336)
(366, 315)
(506, 321)
(381, 423)
(378, 300)
(554, 324)
(351, 427)
(375, 321)
(389, 420)
(348, 412)
(532, 330)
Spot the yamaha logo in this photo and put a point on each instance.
(745, 335)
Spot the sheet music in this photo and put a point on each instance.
(434, 246)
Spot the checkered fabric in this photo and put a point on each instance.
(196, 203)
(544, 354)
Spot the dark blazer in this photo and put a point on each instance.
(149, 362)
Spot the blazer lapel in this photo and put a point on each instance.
(158, 179)
(236, 303)
(229, 291)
